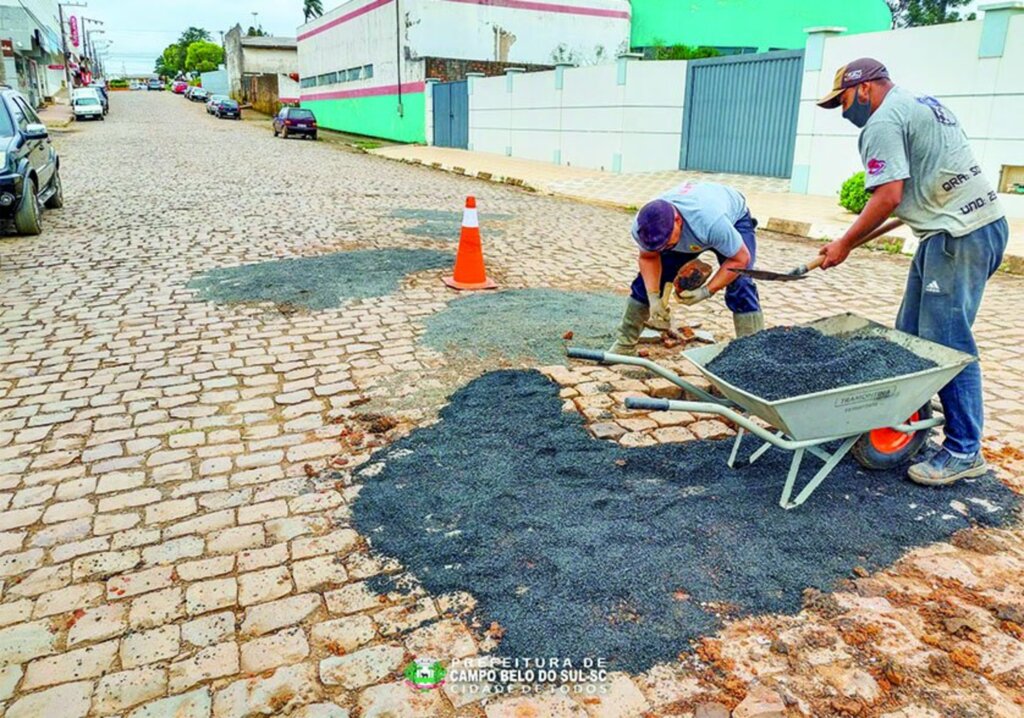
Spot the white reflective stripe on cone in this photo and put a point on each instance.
(470, 218)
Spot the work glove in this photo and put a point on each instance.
(661, 315)
(694, 296)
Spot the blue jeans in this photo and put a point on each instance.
(740, 296)
(944, 290)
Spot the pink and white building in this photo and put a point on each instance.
(364, 66)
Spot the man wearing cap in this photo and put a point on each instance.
(672, 230)
(919, 166)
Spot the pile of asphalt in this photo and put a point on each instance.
(317, 282)
(581, 548)
(524, 324)
(782, 362)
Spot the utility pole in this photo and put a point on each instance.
(89, 48)
(255, 21)
(64, 43)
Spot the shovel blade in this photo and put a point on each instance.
(767, 276)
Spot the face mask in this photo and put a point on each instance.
(858, 112)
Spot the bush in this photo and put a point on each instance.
(118, 83)
(853, 196)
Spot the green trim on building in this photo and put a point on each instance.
(760, 25)
(375, 116)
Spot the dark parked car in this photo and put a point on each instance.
(295, 121)
(101, 90)
(29, 166)
(212, 100)
(227, 108)
(155, 85)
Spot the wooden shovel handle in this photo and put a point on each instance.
(883, 230)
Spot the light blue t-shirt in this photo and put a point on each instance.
(709, 212)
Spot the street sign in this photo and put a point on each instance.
(73, 26)
(55, 67)
(7, 48)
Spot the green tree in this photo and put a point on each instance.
(203, 56)
(193, 34)
(171, 62)
(915, 13)
(312, 9)
(681, 52)
(255, 32)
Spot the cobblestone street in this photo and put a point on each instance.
(176, 473)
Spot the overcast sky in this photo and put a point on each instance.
(141, 29)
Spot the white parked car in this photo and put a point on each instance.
(86, 103)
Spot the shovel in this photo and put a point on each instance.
(801, 271)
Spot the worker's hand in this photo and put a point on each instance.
(835, 253)
(660, 316)
(694, 296)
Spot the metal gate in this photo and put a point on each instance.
(451, 114)
(740, 112)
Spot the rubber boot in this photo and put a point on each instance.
(747, 323)
(629, 331)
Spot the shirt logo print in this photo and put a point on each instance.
(933, 288)
(695, 248)
(875, 167)
(942, 115)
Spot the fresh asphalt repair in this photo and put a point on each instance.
(321, 282)
(789, 361)
(581, 548)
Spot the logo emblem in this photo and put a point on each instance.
(853, 74)
(942, 115)
(424, 674)
(875, 166)
(933, 288)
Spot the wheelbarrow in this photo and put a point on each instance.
(883, 422)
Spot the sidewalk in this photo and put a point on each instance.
(811, 216)
(56, 115)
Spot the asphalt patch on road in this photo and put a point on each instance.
(438, 224)
(782, 362)
(582, 548)
(524, 324)
(321, 282)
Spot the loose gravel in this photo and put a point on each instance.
(783, 362)
(579, 547)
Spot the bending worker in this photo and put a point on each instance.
(919, 166)
(672, 230)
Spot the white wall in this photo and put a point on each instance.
(579, 31)
(269, 60)
(362, 32)
(366, 37)
(287, 89)
(986, 94)
(592, 121)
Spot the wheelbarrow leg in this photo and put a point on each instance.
(735, 448)
(813, 484)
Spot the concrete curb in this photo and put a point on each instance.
(891, 244)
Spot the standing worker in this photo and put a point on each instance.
(676, 228)
(918, 165)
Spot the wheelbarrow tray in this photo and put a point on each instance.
(847, 410)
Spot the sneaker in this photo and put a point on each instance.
(943, 468)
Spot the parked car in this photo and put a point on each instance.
(227, 108)
(87, 103)
(213, 99)
(295, 121)
(199, 95)
(101, 92)
(29, 165)
(179, 87)
(155, 85)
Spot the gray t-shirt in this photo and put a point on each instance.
(709, 212)
(917, 139)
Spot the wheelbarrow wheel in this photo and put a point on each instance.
(882, 449)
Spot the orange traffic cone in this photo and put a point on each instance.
(469, 272)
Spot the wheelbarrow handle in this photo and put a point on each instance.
(588, 354)
(643, 402)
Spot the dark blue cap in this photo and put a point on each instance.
(654, 225)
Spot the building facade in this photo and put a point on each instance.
(32, 49)
(363, 65)
(747, 26)
(261, 71)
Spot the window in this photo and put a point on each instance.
(30, 114)
(327, 79)
(296, 114)
(307, 82)
(367, 72)
(6, 128)
(18, 113)
(353, 73)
